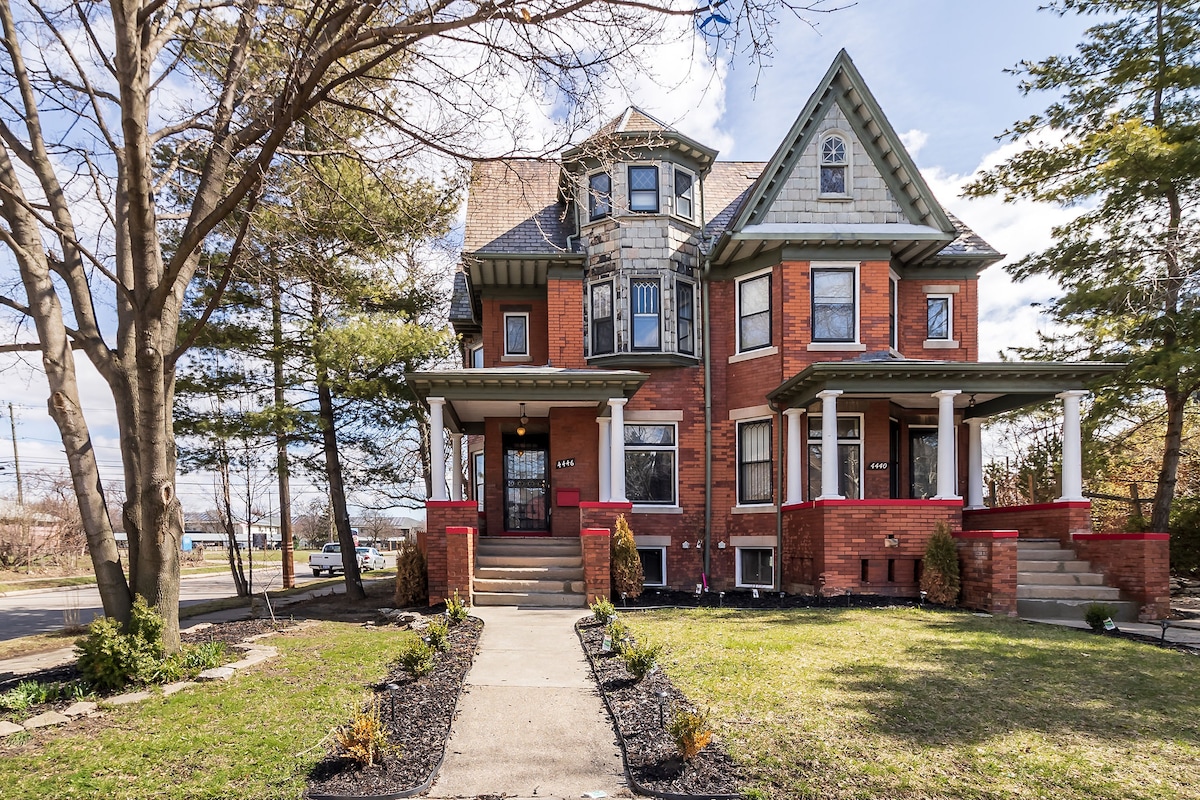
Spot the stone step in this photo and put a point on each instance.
(1061, 578)
(1056, 554)
(545, 546)
(531, 599)
(1038, 544)
(527, 586)
(1024, 565)
(1099, 594)
(1039, 608)
(575, 561)
(530, 573)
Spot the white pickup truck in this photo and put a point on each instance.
(329, 560)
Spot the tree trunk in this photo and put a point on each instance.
(235, 555)
(281, 454)
(1164, 494)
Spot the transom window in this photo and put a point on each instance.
(833, 318)
(937, 317)
(754, 462)
(650, 463)
(644, 304)
(756, 567)
(834, 160)
(849, 456)
(643, 188)
(602, 318)
(754, 313)
(685, 317)
(683, 193)
(516, 334)
(599, 195)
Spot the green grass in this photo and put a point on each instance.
(254, 737)
(902, 703)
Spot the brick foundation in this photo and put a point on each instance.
(1136, 563)
(1040, 521)
(596, 544)
(440, 517)
(988, 570)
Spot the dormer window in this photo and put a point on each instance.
(835, 158)
(684, 192)
(599, 195)
(643, 189)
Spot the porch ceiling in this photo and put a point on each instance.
(987, 388)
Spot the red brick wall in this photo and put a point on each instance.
(1041, 521)
(492, 324)
(440, 516)
(1136, 563)
(602, 515)
(988, 570)
(596, 544)
(564, 323)
(912, 324)
(873, 305)
(461, 544)
(575, 435)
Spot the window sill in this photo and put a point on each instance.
(765, 508)
(759, 586)
(836, 347)
(644, 358)
(940, 344)
(750, 355)
(515, 359)
(656, 509)
(835, 198)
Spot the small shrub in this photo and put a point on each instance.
(603, 610)
(417, 659)
(691, 732)
(364, 739)
(412, 587)
(618, 632)
(23, 696)
(939, 575)
(1095, 614)
(438, 633)
(640, 659)
(199, 657)
(110, 659)
(456, 609)
(627, 575)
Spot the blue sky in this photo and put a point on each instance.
(936, 68)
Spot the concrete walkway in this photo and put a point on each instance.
(530, 722)
(1179, 632)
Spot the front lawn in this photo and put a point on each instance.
(903, 703)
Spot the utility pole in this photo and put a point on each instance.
(12, 421)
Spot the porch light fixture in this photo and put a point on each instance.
(524, 422)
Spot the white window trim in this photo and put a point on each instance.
(471, 351)
(695, 191)
(509, 356)
(894, 309)
(472, 457)
(657, 508)
(663, 553)
(750, 412)
(860, 441)
(737, 323)
(750, 355)
(949, 337)
(738, 569)
(856, 344)
(737, 459)
(845, 137)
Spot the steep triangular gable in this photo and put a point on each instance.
(843, 89)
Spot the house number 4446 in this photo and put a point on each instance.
(565, 462)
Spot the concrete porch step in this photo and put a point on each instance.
(1031, 608)
(531, 599)
(503, 561)
(1097, 594)
(1060, 578)
(530, 573)
(1038, 544)
(1024, 565)
(1045, 554)
(525, 586)
(541, 545)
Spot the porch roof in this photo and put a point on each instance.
(987, 387)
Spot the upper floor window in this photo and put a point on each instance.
(602, 331)
(643, 188)
(685, 317)
(516, 334)
(476, 356)
(833, 312)
(835, 158)
(893, 299)
(644, 304)
(684, 192)
(937, 317)
(754, 462)
(650, 463)
(599, 195)
(754, 312)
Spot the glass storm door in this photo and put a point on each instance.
(922, 449)
(526, 506)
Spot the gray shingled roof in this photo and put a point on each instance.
(462, 311)
(514, 207)
(968, 244)
(631, 120)
(725, 189)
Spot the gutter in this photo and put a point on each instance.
(706, 362)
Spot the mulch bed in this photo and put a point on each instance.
(424, 710)
(651, 757)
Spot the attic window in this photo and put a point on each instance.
(834, 160)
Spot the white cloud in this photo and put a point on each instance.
(913, 141)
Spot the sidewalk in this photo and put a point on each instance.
(530, 722)
(1179, 632)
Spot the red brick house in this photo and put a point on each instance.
(771, 369)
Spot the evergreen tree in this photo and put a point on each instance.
(627, 574)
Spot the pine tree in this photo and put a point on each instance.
(939, 570)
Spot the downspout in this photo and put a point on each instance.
(706, 363)
(778, 497)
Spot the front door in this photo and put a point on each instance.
(526, 489)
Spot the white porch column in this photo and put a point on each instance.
(456, 473)
(946, 453)
(1072, 448)
(829, 450)
(795, 445)
(437, 452)
(616, 454)
(603, 448)
(975, 462)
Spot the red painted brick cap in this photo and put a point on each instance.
(986, 534)
(451, 504)
(595, 532)
(621, 506)
(459, 529)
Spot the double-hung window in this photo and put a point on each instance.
(685, 317)
(835, 157)
(602, 331)
(849, 456)
(684, 193)
(599, 195)
(645, 306)
(643, 189)
(937, 317)
(754, 313)
(833, 312)
(650, 463)
(516, 334)
(754, 462)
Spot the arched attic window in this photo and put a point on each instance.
(835, 159)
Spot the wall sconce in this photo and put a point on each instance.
(891, 541)
(524, 422)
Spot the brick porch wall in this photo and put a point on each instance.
(988, 570)
(440, 516)
(826, 542)
(1136, 563)
(603, 515)
(461, 545)
(596, 544)
(1040, 521)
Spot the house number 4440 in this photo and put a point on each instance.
(878, 465)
